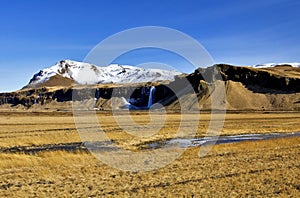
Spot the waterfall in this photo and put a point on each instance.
(125, 101)
(36, 100)
(97, 94)
(151, 94)
(130, 104)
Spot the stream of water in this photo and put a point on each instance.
(184, 143)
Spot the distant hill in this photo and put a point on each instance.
(261, 88)
(248, 88)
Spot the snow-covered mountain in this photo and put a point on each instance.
(266, 65)
(85, 73)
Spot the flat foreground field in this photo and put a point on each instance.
(41, 155)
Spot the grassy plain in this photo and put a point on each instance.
(268, 168)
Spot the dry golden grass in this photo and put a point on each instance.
(23, 129)
(265, 168)
(261, 168)
(26, 129)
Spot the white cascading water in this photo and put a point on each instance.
(151, 93)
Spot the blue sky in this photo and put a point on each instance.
(36, 34)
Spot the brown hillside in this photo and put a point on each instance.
(54, 81)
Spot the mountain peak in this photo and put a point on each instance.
(85, 73)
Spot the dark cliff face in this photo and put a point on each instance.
(283, 79)
(272, 78)
(277, 80)
(43, 96)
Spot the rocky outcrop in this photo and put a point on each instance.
(281, 79)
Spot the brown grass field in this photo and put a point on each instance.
(267, 168)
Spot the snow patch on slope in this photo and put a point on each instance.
(266, 65)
